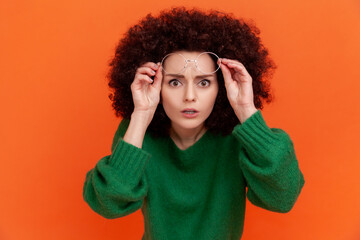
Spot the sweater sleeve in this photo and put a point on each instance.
(117, 186)
(269, 164)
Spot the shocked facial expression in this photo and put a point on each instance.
(188, 97)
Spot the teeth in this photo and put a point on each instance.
(189, 112)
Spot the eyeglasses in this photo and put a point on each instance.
(201, 63)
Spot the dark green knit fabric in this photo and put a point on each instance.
(198, 193)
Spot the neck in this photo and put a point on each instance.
(184, 138)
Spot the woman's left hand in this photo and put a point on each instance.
(238, 84)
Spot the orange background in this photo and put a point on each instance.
(57, 122)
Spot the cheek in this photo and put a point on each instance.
(168, 99)
(210, 99)
(211, 94)
(163, 95)
(215, 93)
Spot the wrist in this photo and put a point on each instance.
(142, 117)
(245, 112)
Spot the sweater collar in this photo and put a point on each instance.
(192, 155)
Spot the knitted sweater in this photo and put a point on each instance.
(200, 192)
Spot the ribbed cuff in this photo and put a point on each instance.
(255, 135)
(129, 159)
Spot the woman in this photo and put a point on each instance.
(192, 138)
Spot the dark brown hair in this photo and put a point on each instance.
(190, 30)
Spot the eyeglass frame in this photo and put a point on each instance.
(192, 60)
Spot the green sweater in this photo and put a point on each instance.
(198, 193)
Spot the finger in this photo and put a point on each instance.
(233, 64)
(226, 73)
(146, 70)
(158, 78)
(238, 68)
(227, 60)
(151, 65)
(142, 77)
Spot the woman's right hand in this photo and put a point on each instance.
(145, 91)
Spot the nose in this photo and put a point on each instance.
(190, 93)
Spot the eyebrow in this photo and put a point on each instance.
(181, 76)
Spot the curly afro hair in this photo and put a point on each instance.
(190, 30)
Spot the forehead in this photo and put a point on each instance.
(199, 62)
(189, 55)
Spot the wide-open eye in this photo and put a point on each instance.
(174, 83)
(204, 83)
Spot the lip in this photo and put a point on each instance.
(189, 109)
(192, 115)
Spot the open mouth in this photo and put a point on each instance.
(189, 111)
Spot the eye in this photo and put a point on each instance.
(204, 83)
(174, 83)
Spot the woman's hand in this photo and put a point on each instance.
(146, 96)
(145, 91)
(238, 84)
